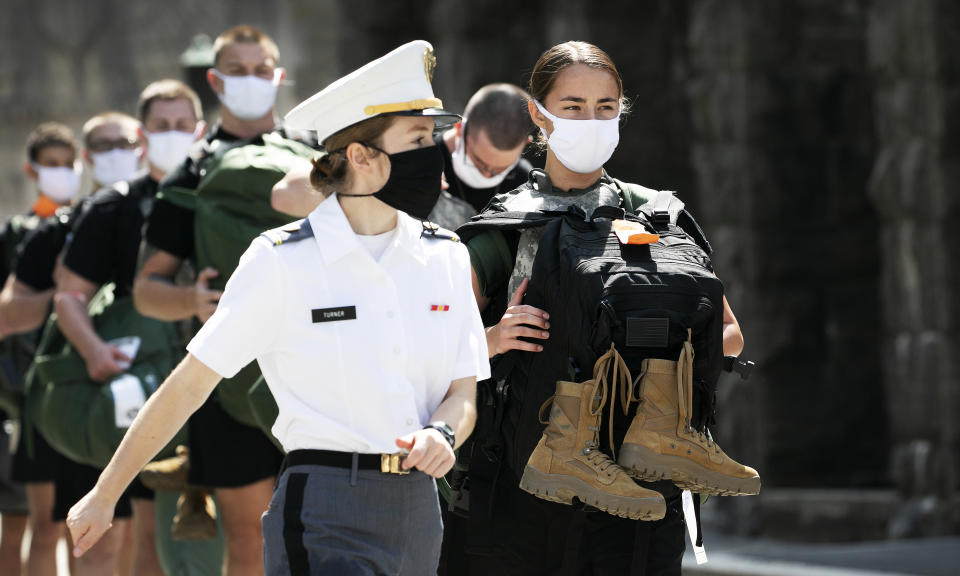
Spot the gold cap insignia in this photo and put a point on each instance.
(429, 63)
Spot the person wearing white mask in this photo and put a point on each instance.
(482, 154)
(577, 102)
(24, 304)
(104, 245)
(237, 460)
(112, 147)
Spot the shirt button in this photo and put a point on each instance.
(396, 350)
(389, 313)
(409, 421)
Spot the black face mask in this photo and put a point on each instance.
(414, 183)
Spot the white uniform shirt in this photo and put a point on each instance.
(357, 352)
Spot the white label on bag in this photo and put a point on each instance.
(688, 514)
(129, 345)
(128, 399)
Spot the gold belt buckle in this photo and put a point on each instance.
(390, 463)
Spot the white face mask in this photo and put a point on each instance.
(167, 150)
(467, 171)
(60, 183)
(248, 97)
(583, 146)
(115, 165)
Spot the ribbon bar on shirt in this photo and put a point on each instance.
(334, 314)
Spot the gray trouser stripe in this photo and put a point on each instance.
(293, 525)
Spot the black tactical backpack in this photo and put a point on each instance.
(641, 297)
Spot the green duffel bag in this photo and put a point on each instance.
(231, 206)
(86, 420)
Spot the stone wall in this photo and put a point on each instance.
(913, 185)
(782, 147)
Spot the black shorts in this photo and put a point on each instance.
(73, 482)
(225, 453)
(39, 467)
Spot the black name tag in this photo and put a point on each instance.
(334, 314)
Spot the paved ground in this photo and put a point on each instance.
(731, 556)
(735, 557)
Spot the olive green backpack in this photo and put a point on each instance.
(86, 420)
(232, 207)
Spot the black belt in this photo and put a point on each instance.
(386, 463)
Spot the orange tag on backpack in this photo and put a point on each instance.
(633, 233)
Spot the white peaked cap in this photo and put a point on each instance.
(397, 83)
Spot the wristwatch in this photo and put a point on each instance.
(445, 429)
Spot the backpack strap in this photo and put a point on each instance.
(504, 221)
(661, 206)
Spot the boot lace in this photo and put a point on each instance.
(600, 461)
(685, 397)
(619, 385)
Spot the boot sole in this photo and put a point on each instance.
(563, 489)
(644, 464)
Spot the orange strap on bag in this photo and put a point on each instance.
(633, 233)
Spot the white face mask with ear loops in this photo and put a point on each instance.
(167, 150)
(583, 146)
(60, 183)
(467, 171)
(115, 165)
(249, 97)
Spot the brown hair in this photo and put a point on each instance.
(244, 34)
(500, 110)
(49, 134)
(102, 118)
(556, 59)
(167, 89)
(330, 168)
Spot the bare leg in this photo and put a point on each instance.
(44, 532)
(11, 535)
(145, 559)
(102, 558)
(123, 564)
(240, 509)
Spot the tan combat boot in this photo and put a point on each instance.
(568, 463)
(661, 444)
(169, 475)
(196, 517)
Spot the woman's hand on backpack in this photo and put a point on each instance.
(519, 320)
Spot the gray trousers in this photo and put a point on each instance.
(318, 523)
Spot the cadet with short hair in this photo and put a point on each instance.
(364, 323)
(53, 165)
(112, 147)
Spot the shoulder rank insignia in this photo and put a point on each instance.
(293, 232)
(432, 230)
